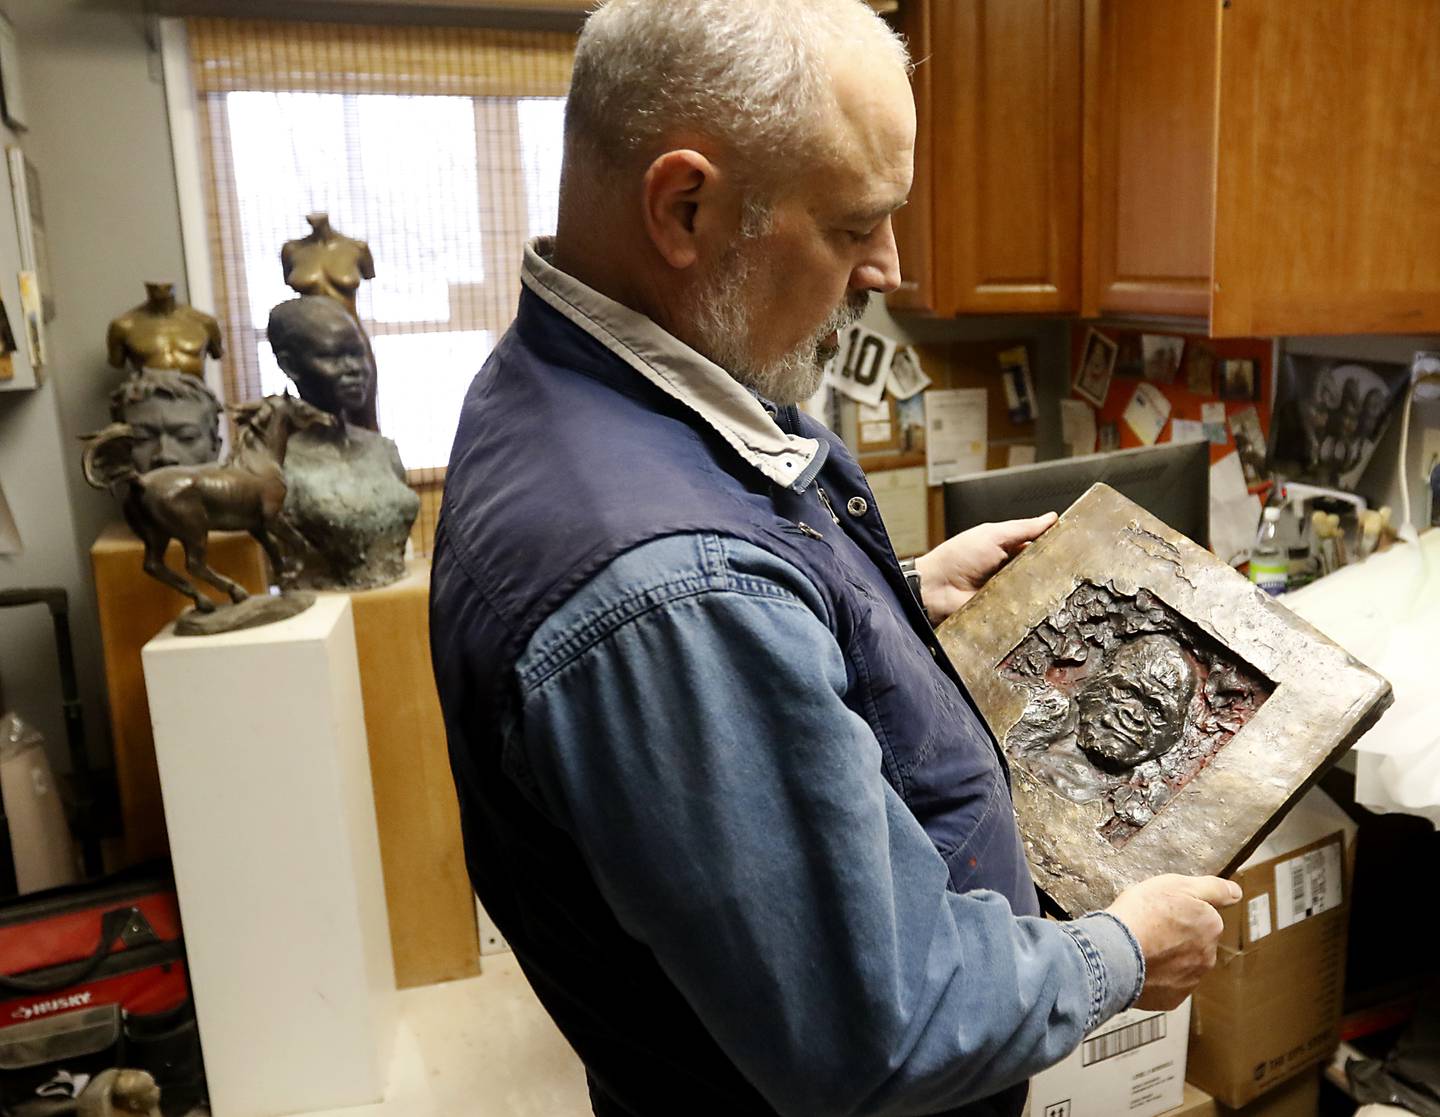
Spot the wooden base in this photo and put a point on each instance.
(133, 608)
(427, 889)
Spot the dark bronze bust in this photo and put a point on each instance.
(347, 494)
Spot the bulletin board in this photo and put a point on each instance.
(1130, 371)
(951, 365)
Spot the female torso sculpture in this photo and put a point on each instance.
(327, 263)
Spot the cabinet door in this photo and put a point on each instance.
(1005, 139)
(1150, 70)
(914, 228)
(1328, 204)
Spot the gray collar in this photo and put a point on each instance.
(672, 366)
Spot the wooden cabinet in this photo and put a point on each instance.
(1149, 155)
(1263, 166)
(994, 223)
(1328, 181)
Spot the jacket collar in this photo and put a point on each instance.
(703, 387)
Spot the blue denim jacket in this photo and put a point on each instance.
(684, 720)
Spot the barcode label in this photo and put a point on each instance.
(1307, 885)
(1117, 1042)
(1258, 911)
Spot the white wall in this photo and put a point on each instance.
(98, 135)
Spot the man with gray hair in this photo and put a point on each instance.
(722, 791)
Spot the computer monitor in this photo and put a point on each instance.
(1171, 482)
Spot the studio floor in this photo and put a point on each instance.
(479, 1048)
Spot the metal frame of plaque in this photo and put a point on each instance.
(1158, 711)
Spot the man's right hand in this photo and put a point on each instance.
(1175, 921)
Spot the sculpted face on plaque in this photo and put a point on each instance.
(1125, 702)
(1133, 708)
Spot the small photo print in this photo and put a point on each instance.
(1130, 361)
(1109, 437)
(1096, 365)
(1200, 369)
(1162, 357)
(1250, 443)
(1239, 380)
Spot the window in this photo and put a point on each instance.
(439, 147)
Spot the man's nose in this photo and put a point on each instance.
(880, 270)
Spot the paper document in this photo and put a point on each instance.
(905, 507)
(957, 433)
(1234, 513)
(1020, 455)
(1188, 430)
(1077, 426)
(1213, 416)
(1147, 413)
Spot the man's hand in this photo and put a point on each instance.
(953, 572)
(1176, 923)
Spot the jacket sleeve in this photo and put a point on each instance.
(683, 717)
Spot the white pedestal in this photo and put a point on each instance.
(260, 741)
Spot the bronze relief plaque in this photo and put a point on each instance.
(1159, 713)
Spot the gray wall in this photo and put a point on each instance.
(99, 137)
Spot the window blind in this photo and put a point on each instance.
(440, 147)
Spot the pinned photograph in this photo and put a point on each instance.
(906, 376)
(910, 415)
(1200, 369)
(1162, 357)
(1249, 443)
(1239, 380)
(1330, 415)
(1130, 361)
(1019, 387)
(1097, 364)
(1109, 437)
(1158, 714)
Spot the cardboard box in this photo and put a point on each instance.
(1134, 1064)
(1300, 1097)
(1271, 1007)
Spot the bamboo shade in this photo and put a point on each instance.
(282, 56)
(439, 147)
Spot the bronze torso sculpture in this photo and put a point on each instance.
(347, 494)
(328, 263)
(247, 493)
(161, 333)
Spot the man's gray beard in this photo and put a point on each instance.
(723, 319)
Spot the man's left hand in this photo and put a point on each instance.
(953, 572)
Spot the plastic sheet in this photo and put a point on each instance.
(1386, 612)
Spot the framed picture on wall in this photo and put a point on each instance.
(1096, 366)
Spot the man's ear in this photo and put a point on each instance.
(683, 194)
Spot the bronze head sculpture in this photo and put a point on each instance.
(324, 351)
(1132, 709)
(163, 333)
(174, 418)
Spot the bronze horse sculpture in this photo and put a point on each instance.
(245, 493)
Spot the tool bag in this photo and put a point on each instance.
(93, 976)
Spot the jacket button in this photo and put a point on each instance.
(858, 506)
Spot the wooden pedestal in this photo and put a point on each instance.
(133, 608)
(427, 889)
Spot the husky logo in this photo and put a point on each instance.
(55, 1004)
